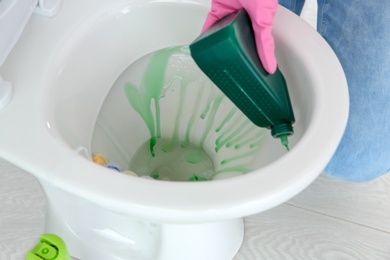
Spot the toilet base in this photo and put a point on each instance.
(219, 240)
(92, 232)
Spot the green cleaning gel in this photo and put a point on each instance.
(227, 54)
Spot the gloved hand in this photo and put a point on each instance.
(262, 13)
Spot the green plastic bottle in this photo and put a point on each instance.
(227, 54)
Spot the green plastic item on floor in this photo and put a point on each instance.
(227, 54)
(50, 247)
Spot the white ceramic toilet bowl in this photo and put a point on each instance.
(62, 69)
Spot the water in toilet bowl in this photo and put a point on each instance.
(173, 160)
(165, 119)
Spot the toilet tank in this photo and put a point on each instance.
(14, 15)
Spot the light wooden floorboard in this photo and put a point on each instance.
(22, 212)
(363, 203)
(288, 232)
(317, 224)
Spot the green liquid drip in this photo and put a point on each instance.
(153, 142)
(238, 168)
(239, 137)
(231, 133)
(141, 104)
(252, 141)
(229, 160)
(211, 119)
(151, 88)
(227, 119)
(206, 110)
(195, 110)
(180, 110)
(197, 178)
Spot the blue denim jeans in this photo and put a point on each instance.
(359, 33)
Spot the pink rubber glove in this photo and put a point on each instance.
(262, 13)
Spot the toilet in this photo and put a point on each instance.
(63, 72)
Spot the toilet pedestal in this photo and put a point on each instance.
(91, 232)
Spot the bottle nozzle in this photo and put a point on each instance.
(282, 131)
(284, 140)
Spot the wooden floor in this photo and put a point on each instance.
(329, 220)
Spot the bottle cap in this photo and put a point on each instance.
(50, 247)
